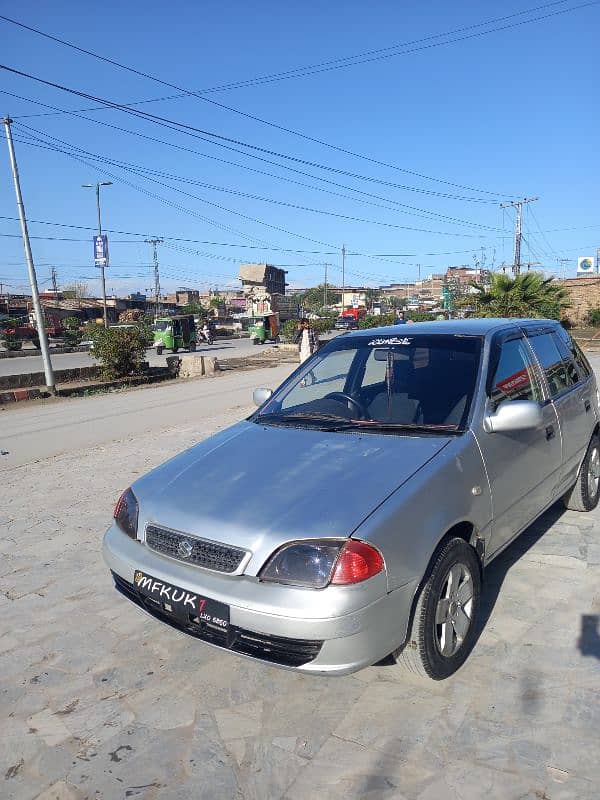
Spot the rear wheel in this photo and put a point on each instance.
(586, 492)
(444, 625)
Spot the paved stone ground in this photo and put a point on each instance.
(99, 701)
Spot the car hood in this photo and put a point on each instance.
(258, 486)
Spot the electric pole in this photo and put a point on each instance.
(35, 297)
(154, 242)
(563, 262)
(518, 205)
(104, 261)
(54, 283)
(325, 289)
(343, 274)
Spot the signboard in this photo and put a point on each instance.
(355, 301)
(585, 265)
(101, 250)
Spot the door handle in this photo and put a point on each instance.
(550, 432)
(587, 405)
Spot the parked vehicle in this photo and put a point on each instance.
(205, 334)
(345, 323)
(175, 333)
(401, 464)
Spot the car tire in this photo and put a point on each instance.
(451, 592)
(175, 349)
(586, 492)
(192, 347)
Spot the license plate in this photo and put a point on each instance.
(181, 602)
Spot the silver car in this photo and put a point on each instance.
(353, 514)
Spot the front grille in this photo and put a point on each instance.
(202, 552)
(274, 649)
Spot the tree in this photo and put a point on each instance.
(72, 335)
(75, 291)
(525, 295)
(197, 309)
(372, 297)
(9, 336)
(314, 299)
(396, 302)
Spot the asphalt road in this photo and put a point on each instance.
(19, 366)
(99, 701)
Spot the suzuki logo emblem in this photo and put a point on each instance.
(185, 548)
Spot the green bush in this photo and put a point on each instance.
(372, 321)
(121, 351)
(72, 335)
(593, 317)
(288, 330)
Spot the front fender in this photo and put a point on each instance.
(452, 488)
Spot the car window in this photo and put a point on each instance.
(565, 341)
(555, 369)
(328, 375)
(514, 377)
(374, 370)
(574, 373)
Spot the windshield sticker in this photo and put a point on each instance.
(390, 340)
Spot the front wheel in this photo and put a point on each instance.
(585, 494)
(444, 626)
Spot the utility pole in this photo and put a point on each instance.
(343, 274)
(154, 242)
(325, 289)
(54, 283)
(563, 262)
(35, 297)
(104, 263)
(518, 205)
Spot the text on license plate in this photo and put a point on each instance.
(180, 601)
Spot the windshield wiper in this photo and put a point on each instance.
(409, 427)
(277, 417)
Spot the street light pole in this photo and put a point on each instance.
(102, 265)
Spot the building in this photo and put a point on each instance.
(183, 297)
(265, 277)
(584, 295)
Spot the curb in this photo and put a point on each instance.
(16, 395)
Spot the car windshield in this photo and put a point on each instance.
(385, 382)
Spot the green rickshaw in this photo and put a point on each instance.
(175, 333)
(263, 328)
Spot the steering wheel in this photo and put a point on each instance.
(351, 401)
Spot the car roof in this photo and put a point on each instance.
(466, 327)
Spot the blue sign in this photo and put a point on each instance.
(101, 250)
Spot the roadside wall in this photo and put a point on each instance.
(584, 294)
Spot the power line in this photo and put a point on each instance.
(412, 210)
(348, 61)
(219, 139)
(287, 167)
(200, 96)
(139, 171)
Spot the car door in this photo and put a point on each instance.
(570, 389)
(523, 467)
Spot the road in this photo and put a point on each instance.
(99, 701)
(19, 366)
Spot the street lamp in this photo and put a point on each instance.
(97, 186)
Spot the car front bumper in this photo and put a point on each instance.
(332, 631)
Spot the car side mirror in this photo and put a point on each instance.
(261, 395)
(514, 415)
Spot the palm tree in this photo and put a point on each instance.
(527, 295)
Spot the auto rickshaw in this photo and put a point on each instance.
(175, 333)
(264, 328)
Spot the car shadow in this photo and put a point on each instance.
(588, 643)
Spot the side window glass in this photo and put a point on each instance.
(551, 362)
(583, 366)
(514, 377)
(573, 372)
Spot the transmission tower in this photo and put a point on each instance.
(518, 205)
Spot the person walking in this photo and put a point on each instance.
(306, 339)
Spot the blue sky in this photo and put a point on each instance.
(509, 114)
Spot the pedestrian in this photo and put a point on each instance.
(306, 339)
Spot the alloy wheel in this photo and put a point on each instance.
(593, 476)
(455, 606)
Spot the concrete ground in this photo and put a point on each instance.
(99, 701)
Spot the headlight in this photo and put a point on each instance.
(316, 563)
(126, 513)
